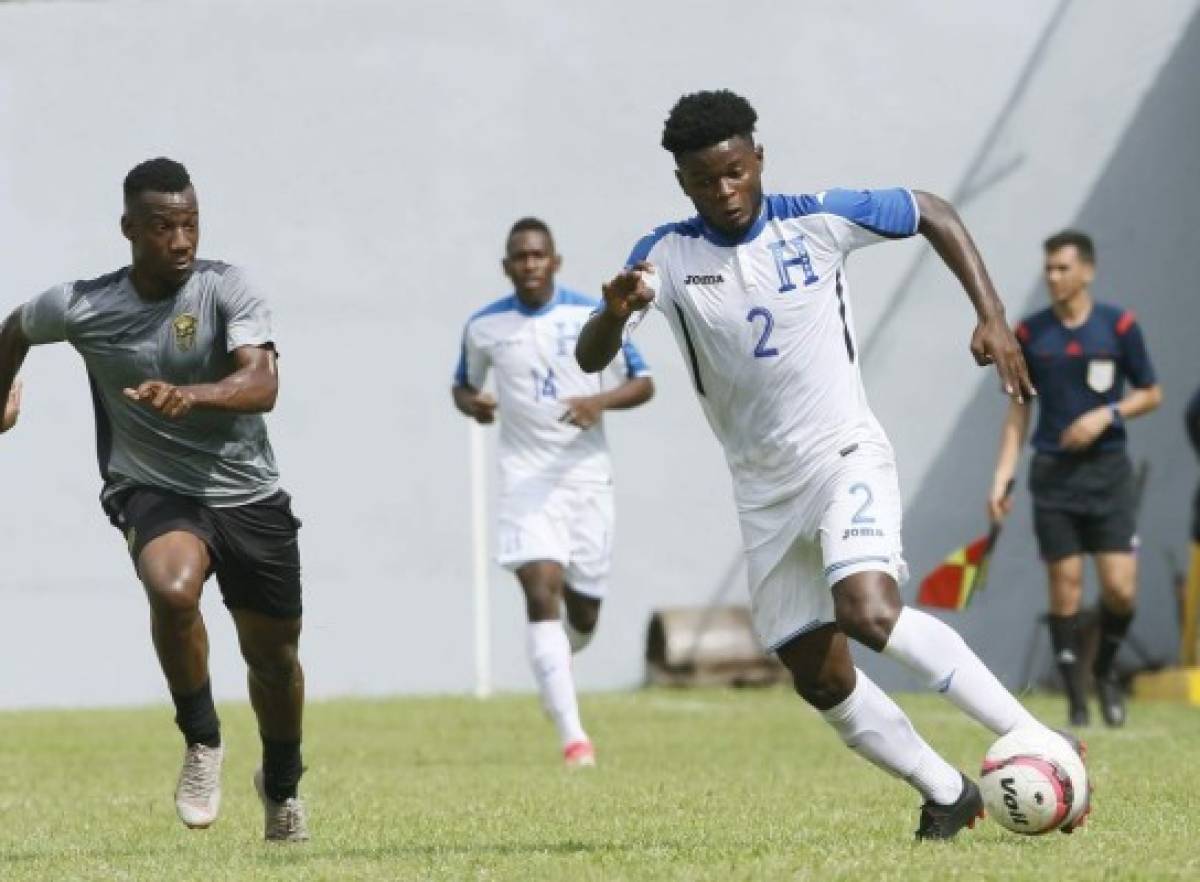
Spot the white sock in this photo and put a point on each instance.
(578, 639)
(872, 725)
(550, 658)
(936, 652)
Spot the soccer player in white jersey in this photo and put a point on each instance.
(755, 291)
(556, 506)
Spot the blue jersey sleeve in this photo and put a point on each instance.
(883, 214)
(460, 370)
(1135, 360)
(635, 365)
(472, 366)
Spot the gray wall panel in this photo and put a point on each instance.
(364, 159)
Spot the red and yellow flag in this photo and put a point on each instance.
(954, 583)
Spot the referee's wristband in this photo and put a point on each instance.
(1117, 419)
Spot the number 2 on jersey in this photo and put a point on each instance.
(762, 350)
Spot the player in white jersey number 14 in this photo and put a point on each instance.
(754, 289)
(555, 502)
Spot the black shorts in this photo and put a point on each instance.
(1083, 503)
(254, 548)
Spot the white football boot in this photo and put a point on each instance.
(198, 793)
(284, 821)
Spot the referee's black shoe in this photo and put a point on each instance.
(1112, 698)
(1078, 715)
(944, 821)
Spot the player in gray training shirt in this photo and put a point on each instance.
(182, 365)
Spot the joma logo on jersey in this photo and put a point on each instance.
(716, 279)
(185, 331)
(855, 532)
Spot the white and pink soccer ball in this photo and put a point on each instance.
(1033, 782)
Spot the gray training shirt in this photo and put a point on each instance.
(215, 456)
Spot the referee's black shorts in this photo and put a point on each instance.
(1083, 503)
(254, 548)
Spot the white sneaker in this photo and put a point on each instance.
(285, 821)
(198, 793)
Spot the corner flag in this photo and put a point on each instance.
(955, 582)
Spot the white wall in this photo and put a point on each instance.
(365, 160)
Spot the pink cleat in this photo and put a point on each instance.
(579, 755)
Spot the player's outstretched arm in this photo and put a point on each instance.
(993, 341)
(477, 405)
(601, 338)
(1012, 438)
(14, 346)
(251, 388)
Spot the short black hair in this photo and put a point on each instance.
(703, 119)
(159, 175)
(1082, 243)
(530, 225)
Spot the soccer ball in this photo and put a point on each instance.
(1033, 782)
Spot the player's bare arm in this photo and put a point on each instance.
(600, 340)
(1012, 438)
(251, 388)
(993, 341)
(1087, 427)
(585, 412)
(479, 406)
(13, 348)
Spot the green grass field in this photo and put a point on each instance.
(691, 785)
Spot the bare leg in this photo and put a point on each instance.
(172, 568)
(270, 647)
(582, 613)
(542, 583)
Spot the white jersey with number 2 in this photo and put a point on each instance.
(765, 326)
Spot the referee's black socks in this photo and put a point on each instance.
(1113, 628)
(196, 716)
(1064, 637)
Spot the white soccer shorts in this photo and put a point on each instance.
(798, 549)
(569, 523)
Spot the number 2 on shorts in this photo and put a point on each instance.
(861, 516)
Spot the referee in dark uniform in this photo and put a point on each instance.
(1081, 354)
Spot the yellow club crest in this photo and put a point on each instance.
(185, 331)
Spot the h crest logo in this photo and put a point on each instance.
(789, 253)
